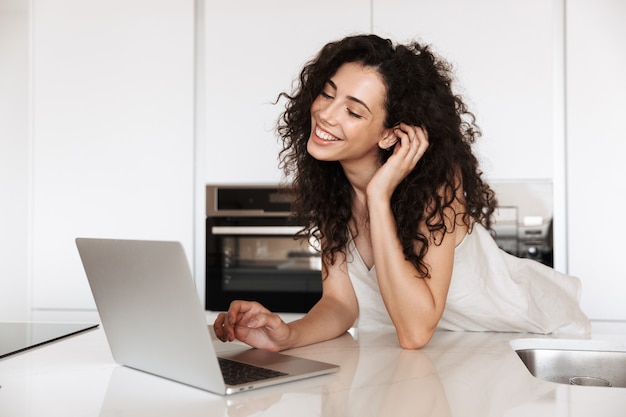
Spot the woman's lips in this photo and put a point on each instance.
(325, 136)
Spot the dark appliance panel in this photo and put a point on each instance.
(251, 252)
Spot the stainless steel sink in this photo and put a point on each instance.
(574, 362)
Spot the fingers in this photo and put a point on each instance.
(219, 327)
(225, 323)
(413, 142)
(240, 314)
(421, 135)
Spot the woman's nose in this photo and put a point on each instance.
(328, 112)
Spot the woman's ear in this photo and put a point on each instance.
(388, 140)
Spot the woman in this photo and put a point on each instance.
(379, 150)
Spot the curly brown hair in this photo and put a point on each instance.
(419, 93)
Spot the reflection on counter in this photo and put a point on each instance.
(457, 374)
(384, 376)
(374, 380)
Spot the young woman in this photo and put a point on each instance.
(379, 151)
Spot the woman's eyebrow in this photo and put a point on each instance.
(351, 98)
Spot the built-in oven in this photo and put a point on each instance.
(251, 252)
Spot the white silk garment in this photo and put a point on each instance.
(490, 290)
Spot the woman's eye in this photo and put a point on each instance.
(353, 114)
(325, 95)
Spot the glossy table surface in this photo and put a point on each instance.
(456, 374)
(17, 337)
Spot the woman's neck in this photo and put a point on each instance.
(359, 175)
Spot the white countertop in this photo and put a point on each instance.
(457, 374)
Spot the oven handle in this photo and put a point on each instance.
(256, 230)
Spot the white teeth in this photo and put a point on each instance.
(324, 135)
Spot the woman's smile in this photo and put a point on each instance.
(324, 136)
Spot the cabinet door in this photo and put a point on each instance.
(254, 51)
(596, 146)
(112, 126)
(507, 56)
(503, 54)
(14, 158)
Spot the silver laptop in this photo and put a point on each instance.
(154, 322)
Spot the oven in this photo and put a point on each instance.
(251, 252)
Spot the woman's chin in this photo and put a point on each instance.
(321, 151)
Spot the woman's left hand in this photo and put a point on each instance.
(411, 145)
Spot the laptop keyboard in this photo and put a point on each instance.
(236, 373)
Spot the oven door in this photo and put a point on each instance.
(258, 259)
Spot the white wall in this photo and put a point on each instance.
(502, 52)
(504, 60)
(97, 130)
(14, 161)
(596, 88)
(254, 50)
(113, 148)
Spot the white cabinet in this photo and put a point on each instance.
(112, 133)
(14, 286)
(596, 87)
(505, 70)
(254, 50)
(502, 53)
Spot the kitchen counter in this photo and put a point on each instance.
(458, 374)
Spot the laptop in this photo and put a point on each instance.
(154, 322)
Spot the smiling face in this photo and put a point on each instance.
(347, 118)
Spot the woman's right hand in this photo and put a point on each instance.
(253, 324)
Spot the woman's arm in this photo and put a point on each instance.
(331, 316)
(415, 304)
